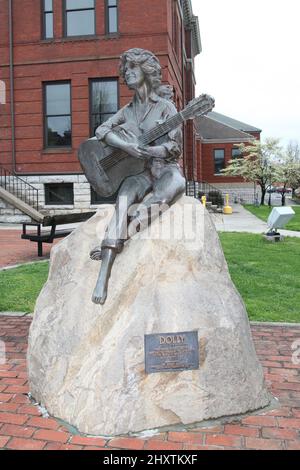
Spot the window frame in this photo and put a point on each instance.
(65, 22)
(43, 20)
(233, 157)
(107, 10)
(216, 149)
(91, 81)
(46, 193)
(45, 115)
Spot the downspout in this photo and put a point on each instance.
(11, 78)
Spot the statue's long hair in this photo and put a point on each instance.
(148, 62)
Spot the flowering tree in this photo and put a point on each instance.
(288, 169)
(257, 163)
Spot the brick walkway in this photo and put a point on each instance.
(14, 250)
(23, 427)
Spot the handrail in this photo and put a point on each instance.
(19, 188)
(196, 186)
(193, 188)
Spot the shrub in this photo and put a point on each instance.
(216, 198)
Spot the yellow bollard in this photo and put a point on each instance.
(203, 200)
(227, 209)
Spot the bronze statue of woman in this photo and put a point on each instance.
(161, 176)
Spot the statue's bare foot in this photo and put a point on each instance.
(96, 253)
(99, 294)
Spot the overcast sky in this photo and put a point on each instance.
(250, 62)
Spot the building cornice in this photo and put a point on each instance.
(191, 22)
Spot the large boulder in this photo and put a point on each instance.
(86, 361)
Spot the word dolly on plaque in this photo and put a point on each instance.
(171, 352)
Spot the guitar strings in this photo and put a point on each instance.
(152, 135)
(145, 139)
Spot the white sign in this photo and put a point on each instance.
(280, 216)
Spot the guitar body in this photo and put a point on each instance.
(105, 179)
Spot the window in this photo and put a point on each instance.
(235, 153)
(59, 194)
(79, 17)
(111, 16)
(48, 19)
(96, 199)
(219, 157)
(58, 115)
(104, 101)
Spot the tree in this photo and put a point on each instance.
(288, 169)
(257, 163)
(293, 153)
(293, 150)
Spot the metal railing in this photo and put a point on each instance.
(201, 188)
(19, 188)
(236, 195)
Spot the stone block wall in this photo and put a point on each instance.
(82, 198)
(242, 193)
(11, 215)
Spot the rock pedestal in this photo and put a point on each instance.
(86, 361)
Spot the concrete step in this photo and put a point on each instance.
(22, 206)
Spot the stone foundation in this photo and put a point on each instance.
(242, 193)
(82, 198)
(11, 215)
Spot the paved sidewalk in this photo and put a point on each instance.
(243, 221)
(14, 250)
(22, 425)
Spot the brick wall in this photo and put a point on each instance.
(206, 163)
(37, 61)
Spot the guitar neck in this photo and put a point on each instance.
(161, 129)
(193, 109)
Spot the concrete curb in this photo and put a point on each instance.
(6, 268)
(279, 324)
(15, 314)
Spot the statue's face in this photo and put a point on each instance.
(134, 76)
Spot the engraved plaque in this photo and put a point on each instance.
(171, 352)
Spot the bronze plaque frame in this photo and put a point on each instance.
(171, 352)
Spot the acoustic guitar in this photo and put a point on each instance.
(106, 167)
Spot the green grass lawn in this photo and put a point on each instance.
(19, 287)
(266, 275)
(263, 212)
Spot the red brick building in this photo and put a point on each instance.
(217, 139)
(59, 62)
